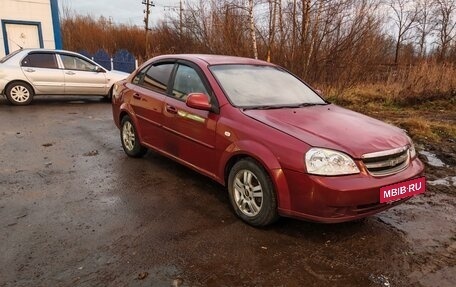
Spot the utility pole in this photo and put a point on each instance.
(148, 4)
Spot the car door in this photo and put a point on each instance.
(83, 77)
(190, 132)
(43, 72)
(147, 99)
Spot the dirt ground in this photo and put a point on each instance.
(75, 210)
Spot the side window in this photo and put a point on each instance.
(44, 60)
(76, 63)
(187, 81)
(139, 76)
(157, 77)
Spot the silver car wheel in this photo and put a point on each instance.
(248, 193)
(128, 136)
(20, 94)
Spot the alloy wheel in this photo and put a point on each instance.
(248, 193)
(128, 136)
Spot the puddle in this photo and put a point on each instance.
(432, 159)
(446, 181)
(425, 224)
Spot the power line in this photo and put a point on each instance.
(177, 7)
(148, 4)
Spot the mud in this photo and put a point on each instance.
(74, 210)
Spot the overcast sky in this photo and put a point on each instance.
(121, 11)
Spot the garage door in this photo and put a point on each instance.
(22, 35)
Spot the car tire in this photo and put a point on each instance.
(252, 193)
(129, 138)
(19, 93)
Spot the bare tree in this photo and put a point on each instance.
(405, 15)
(252, 29)
(425, 24)
(446, 10)
(273, 5)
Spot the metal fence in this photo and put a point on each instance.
(122, 60)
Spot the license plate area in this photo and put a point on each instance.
(397, 191)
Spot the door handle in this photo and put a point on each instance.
(171, 109)
(30, 70)
(136, 96)
(70, 73)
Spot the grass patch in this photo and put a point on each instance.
(418, 128)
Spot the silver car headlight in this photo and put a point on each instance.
(322, 161)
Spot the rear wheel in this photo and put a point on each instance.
(129, 138)
(19, 93)
(252, 193)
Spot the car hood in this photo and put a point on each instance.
(333, 127)
(118, 74)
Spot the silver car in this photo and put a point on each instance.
(29, 72)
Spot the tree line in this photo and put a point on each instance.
(331, 42)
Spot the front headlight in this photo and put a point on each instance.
(322, 161)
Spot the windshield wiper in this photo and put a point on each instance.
(264, 107)
(310, 104)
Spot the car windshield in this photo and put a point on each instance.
(251, 86)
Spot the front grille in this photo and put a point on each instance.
(387, 162)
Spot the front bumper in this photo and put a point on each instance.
(2, 86)
(339, 198)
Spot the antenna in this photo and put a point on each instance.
(20, 47)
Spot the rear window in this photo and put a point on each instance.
(9, 56)
(43, 60)
(139, 76)
(157, 77)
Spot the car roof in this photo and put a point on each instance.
(20, 54)
(25, 51)
(214, 59)
(47, 50)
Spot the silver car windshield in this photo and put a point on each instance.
(250, 86)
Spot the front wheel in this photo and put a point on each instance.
(129, 137)
(19, 93)
(252, 193)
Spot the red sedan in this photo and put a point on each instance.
(278, 146)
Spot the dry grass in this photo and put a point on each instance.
(408, 86)
(424, 130)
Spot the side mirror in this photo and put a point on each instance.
(98, 69)
(198, 101)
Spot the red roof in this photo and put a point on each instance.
(215, 59)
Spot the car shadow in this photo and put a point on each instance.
(62, 100)
(208, 188)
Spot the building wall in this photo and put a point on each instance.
(22, 19)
